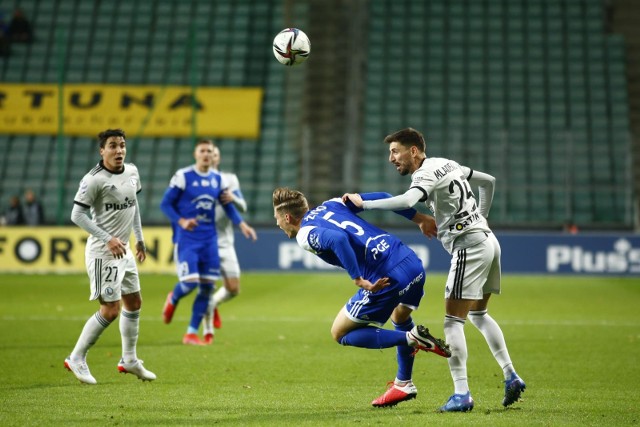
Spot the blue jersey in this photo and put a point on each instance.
(336, 234)
(193, 194)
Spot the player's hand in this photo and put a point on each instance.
(354, 198)
(427, 224)
(188, 223)
(373, 287)
(226, 197)
(117, 247)
(141, 251)
(248, 231)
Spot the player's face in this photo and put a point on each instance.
(215, 158)
(401, 158)
(286, 226)
(204, 156)
(114, 152)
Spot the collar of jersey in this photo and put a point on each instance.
(109, 170)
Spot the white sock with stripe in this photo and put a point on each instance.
(129, 327)
(495, 339)
(454, 334)
(89, 335)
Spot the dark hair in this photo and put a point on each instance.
(408, 137)
(293, 202)
(104, 135)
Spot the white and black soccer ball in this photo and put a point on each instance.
(291, 46)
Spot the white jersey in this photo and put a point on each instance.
(224, 226)
(449, 196)
(112, 198)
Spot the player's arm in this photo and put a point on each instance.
(398, 204)
(486, 187)
(169, 204)
(408, 213)
(233, 193)
(81, 216)
(234, 197)
(235, 217)
(141, 250)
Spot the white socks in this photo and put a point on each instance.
(218, 297)
(129, 327)
(495, 339)
(454, 335)
(89, 335)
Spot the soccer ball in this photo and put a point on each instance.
(291, 46)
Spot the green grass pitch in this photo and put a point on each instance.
(575, 341)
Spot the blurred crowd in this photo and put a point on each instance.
(27, 212)
(17, 30)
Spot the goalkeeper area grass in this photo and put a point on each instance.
(574, 340)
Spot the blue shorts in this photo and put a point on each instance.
(406, 288)
(197, 260)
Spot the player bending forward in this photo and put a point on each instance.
(389, 274)
(106, 206)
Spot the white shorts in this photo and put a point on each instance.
(229, 265)
(111, 278)
(475, 271)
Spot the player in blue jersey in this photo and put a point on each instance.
(389, 274)
(189, 202)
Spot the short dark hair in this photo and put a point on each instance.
(104, 135)
(408, 137)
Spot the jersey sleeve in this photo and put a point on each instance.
(169, 202)
(87, 191)
(423, 181)
(318, 240)
(178, 180)
(137, 175)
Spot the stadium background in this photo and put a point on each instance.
(542, 94)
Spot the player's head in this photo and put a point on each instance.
(289, 206)
(109, 133)
(203, 153)
(113, 148)
(406, 150)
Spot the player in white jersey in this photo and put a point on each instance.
(106, 206)
(229, 265)
(474, 274)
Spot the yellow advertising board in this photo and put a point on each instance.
(151, 110)
(61, 250)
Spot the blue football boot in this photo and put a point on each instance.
(458, 403)
(513, 388)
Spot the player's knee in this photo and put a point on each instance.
(110, 312)
(232, 286)
(337, 335)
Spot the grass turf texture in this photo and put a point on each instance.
(575, 341)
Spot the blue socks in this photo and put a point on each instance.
(374, 338)
(182, 289)
(404, 353)
(200, 305)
